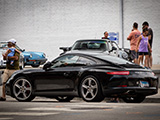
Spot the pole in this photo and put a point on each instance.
(122, 23)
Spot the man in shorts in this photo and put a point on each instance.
(133, 37)
(10, 69)
(150, 36)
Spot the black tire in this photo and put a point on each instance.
(137, 99)
(64, 98)
(35, 65)
(22, 89)
(90, 89)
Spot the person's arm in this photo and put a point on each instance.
(130, 36)
(149, 47)
(137, 46)
(17, 51)
(149, 37)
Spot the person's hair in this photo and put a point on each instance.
(105, 32)
(144, 30)
(135, 25)
(145, 23)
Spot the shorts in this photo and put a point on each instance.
(143, 53)
(134, 55)
(7, 73)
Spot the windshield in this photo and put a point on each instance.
(91, 45)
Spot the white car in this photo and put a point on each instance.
(102, 46)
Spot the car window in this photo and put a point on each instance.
(115, 45)
(65, 61)
(85, 61)
(115, 60)
(91, 45)
(3, 45)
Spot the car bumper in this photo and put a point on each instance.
(35, 61)
(127, 91)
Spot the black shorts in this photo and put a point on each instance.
(143, 53)
(134, 54)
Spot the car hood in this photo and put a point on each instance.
(29, 53)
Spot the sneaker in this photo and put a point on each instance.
(2, 99)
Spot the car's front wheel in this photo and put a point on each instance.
(90, 89)
(22, 89)
(137, 99)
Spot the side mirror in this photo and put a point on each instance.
(114, 48)
(65, 48)
(47, 65)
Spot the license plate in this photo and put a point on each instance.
(144, 84)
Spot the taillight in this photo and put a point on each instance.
(118, 73)
(122, 85)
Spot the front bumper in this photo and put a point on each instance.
(35, 61)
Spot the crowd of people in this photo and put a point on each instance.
(141, 45)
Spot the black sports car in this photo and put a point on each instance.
(90, 76)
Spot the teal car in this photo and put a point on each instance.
(35, 59)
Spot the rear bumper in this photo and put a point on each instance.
(127, 91)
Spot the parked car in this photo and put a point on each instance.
(105, 46)
(3, 49)
(35, 59)
(90, 76)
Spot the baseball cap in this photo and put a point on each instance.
(12, 41)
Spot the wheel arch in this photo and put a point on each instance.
(18, 76)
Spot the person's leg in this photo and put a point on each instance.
(146, 61)
(140, 59)
(150, 61)
(7, 73)
(4, 79)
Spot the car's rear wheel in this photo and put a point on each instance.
(22, 89)
(137, 99)
(64, 98)
(90, 89)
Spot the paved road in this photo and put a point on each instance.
(50, 109)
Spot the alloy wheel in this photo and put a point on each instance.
(22, 89)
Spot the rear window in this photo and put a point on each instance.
(115, 60)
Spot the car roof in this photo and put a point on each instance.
(101, 56)
(92, 40)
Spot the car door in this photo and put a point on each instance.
(61, 75)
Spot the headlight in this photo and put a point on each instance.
(44, 55)
(125, 55)
(31, 55)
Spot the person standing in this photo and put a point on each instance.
(133, 37)
(150, 36)
(105, 35)
(144, 47)
(10, 69)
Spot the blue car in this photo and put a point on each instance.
(35, 59)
